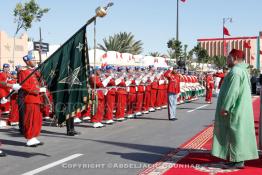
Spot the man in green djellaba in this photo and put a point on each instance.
(234, 133)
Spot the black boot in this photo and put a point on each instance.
(71, 127)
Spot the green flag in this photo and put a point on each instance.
(65, 73)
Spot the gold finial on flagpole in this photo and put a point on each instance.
(102, 11)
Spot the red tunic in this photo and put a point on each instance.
(31, 87)
(174, 82)
(14, 112)
(32, 101)
(98, 116)
(110, 99)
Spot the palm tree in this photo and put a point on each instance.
(122, 42)
(157, 54)
(171, 54)
(189, 59)
(219, 61)
(176, 47)
(201, 54)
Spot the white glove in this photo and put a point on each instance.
(3, 100)
(138, 81)
(16, 87)
(118, 81)
(161, 82)
(42, 89)
(128, 82)
(152, 78)
(105, 91)
(106, 81)
(144, 79)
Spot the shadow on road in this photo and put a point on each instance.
(139, 157)
(23, 154)
(12, 142)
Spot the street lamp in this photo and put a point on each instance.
(224, 22)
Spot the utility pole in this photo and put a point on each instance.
(40, 47)
(177, 20)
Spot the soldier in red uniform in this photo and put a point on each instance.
(14, 113)
(147, 95)
(173, 92)
(32, 101)
(161, 91)
(4, 87)
(131, 93)
(209, 87)
(20, 102)
(165, 97)
(95, 81)
(221, 76)
(5, 84)
(139, 92)
(121, 96)
(154, 88)
(110, 96)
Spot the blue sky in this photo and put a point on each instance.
(152, 21)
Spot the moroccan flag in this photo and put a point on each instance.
(65, 74)
(225, 31)
(247, 45)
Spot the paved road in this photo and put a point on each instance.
(134, 144)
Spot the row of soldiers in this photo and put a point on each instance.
(141, 89)
(123, 92)
(128, 92)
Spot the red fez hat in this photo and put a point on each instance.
(238, 54)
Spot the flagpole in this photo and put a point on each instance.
(224, 21)
(223, 37)
(95, 53)
(100, 12)
(177, 18)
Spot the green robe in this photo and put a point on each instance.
(234, 135)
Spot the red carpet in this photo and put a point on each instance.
(193, 157)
